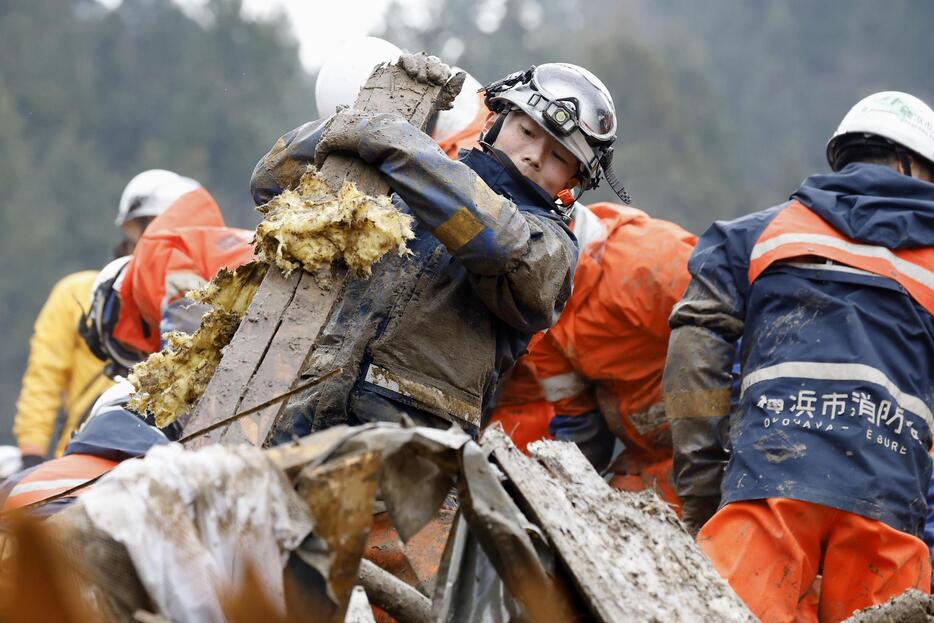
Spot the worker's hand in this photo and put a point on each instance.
(696, 510)
(432, 70)
(342, 132)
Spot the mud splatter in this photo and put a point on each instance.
(778, 447)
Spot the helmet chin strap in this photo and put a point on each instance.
(610, 176)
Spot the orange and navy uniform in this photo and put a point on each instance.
(55, 477)
(110, 435)
(832, 294)
(606, 353)
(183, 248)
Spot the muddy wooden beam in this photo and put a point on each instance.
(277, 336)
(359, 609)
(627, 553)
(400, 600)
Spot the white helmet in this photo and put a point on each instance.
(151, 192)
(573, 106)
(346, 71)
(894, 116)
(464, 111)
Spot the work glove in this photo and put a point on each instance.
(344, 131)
(31, 460)
(696, 510)
(347, 127)
(432, 70)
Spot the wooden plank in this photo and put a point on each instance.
(627, 553)
(243, 355)
(292, 343)
(266, 366)
(359, 611)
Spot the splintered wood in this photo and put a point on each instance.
(628, 555)
(274, 341)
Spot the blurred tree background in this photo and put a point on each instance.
(724, 106)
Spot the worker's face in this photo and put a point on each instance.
(536, 154)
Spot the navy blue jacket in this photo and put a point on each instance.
(837, 388)
(430, 333)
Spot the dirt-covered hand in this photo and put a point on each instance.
(342, 132)
(432, 70)
(424, 68)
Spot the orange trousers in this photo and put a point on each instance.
(771, 552)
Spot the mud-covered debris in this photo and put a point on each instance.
(169, 382)
(310, 227)
(912, 606)
(231, 291)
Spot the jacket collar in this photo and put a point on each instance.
(873, 204)
(528, 195)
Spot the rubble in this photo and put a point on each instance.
(310, 227)
(174, 533)
(169, 382)
(910, 607)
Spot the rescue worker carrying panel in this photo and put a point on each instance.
(596, 375)
(833, 295)
(492, 264)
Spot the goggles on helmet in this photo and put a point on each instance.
(573, 106)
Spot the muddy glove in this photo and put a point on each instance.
(432, 70)
(344, 131)
(424, 68)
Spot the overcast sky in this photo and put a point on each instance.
(321, 24)
(318, 24)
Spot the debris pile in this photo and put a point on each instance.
(310, 227)
(910, 607)
(169, 382)
(540, 538)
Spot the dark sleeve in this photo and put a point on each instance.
(282, 167)
(698, 378)
(520, 264)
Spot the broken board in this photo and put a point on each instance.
(277, 335)
(627, 553)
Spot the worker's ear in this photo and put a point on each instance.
(490, 120)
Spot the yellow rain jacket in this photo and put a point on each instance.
(60, 368)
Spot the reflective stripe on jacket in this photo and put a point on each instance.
(55, 477)
(797, 232)
(183, 248)
(61, 372)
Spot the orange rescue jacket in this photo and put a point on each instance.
(182, 248)
(55, 477)
(607, 350)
